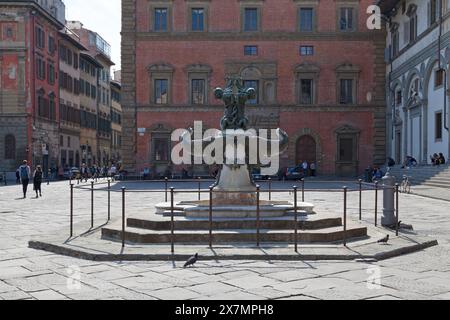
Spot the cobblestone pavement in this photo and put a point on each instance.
(31, 274)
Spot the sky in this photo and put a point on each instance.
(101, 16)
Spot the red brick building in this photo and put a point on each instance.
(29, 92)
(319, 73)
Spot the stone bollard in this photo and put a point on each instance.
(388, 219)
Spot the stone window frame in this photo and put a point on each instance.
(197, 4)
(160, 131)
(306, 71)
(347, 4)
(268, 77)
(157, 4)
(256, 76)
(198, 72)
(251, 4)
(307, 4)
(351, 72)
(160, 71)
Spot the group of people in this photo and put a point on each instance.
(24, 176)
(97, 172)
(437, 159)
(309, 169)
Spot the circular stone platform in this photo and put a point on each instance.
(268, 209)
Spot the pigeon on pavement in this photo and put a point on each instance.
(385, 240)
(192, 260)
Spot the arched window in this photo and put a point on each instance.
(10, 147)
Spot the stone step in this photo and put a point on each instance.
(284, 223)
(142, 236)
(436, 185)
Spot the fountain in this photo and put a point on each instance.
(235, 192)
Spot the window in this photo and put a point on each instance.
(68, 142)
(413, 28)
(198, 91)
(251, 19)
(395, 43)
(306, 19)
(346, 91)
(438, 126)
(198, 22)
(160, 22)
(161, 91)
(306, 50)
(306, 91)
(434, 11)
(40, 68)
(40, 38)
(250, 50)
(10, 147)
(255, 85)
(51, 45)
(61, 141)
(398, 97)
(75, 61)
(346, 19)
(346, 150)
(439, 78)
(51, 73)
(161, 149)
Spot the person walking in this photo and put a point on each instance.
(37, 181)
(25, 174)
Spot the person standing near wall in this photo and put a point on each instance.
(25, 174)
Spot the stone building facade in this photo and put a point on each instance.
(100, 50)
(116, 122)
(317, 68)
(29, 95)
(70, 49)
(418, 80)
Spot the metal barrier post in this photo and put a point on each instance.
(270, 189)
(123, 217)
(166, 181)
(345, 216)
(210, 215)
(258, 226)
(109, 200)
(172, 220)
(92, 204)
(376, 204)
(397, 191)
(360, 199)
(48, 176)
(4, 177)
(71, 210)
(303, 190)
(296, 218)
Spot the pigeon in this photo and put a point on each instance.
(384, 240)
(192, 260)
